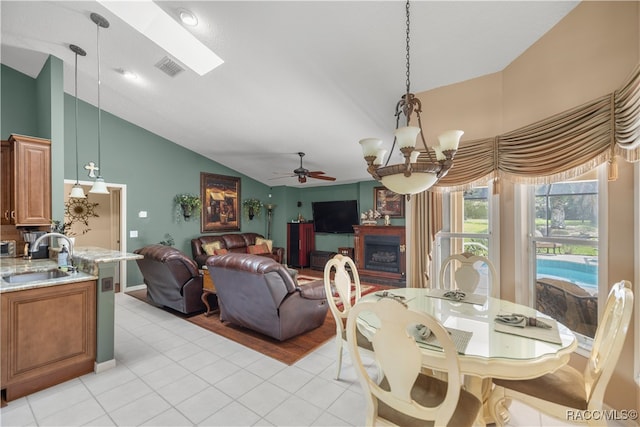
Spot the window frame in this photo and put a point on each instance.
(492, 236)
(525, 292)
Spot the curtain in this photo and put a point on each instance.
(425, 226)
(557, 148)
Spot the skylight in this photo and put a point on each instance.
(148, 19)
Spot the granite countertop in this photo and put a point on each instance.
(85, 258)
(11, 266)
(96, 255)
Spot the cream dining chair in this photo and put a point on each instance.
(465, 274)
(568, 390)
(405, 396)
(347, 294)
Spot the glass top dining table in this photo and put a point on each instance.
(489, 353)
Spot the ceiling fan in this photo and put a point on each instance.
(302, 173)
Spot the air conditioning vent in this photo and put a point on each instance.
(169, 66)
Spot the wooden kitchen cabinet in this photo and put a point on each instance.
(48, 337)
(7, 182)
(26, 181)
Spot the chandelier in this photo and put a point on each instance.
(421, 168)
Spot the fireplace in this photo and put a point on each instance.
(380, 252)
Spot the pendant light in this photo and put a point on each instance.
(77, 192)
(421, 168)
(99, 186)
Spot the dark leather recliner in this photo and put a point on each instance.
(259, 293)
(172, 278)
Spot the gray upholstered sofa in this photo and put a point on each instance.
(259, 293)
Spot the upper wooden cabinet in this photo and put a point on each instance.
(26, 181)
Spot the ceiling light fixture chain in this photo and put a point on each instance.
(412, 176)
(408, 55)
(77, 192)
(99, 186)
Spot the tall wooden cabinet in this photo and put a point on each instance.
(26, 181)
(300, 243)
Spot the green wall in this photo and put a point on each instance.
(18, 109)
(153, 168)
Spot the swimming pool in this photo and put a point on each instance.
(584, 275)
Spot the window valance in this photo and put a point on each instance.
(557, 148)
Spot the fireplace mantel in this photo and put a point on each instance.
(392, 235)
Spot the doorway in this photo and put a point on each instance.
(100, 221)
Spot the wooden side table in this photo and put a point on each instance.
(208, 288)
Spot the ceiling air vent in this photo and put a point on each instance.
(169, 66)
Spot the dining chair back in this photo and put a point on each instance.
(347, 293)
(405, 395)
(567, 389)
(464, 273)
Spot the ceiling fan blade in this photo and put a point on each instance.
(326, 178)
(282, 176)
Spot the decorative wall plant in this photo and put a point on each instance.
(251, 208)
(187, 206)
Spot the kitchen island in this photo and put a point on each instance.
(59, 325)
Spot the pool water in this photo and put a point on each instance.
(583, 275)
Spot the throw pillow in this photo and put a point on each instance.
(209, 248)
(220, 251)
(258, 249)
(269, 243)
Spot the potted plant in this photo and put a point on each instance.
(187, 205)
(251, 208)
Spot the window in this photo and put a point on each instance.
(564, 247)
(467, 218)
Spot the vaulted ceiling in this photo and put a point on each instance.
(311, 76)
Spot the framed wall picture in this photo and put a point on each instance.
(220, 203)
(387, 202)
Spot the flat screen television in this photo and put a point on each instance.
(335, 217)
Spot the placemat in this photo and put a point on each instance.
(460, 339)
(541, 334)
(468, 298)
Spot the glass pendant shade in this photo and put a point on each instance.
(370, 146)
(406, 136)
(99, 186)
(450, 139)
(416, 183)
(77, 192)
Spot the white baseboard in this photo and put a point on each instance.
(135, 288)
(104, 366)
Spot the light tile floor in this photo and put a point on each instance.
(172, 373)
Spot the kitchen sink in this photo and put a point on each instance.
(34, 276)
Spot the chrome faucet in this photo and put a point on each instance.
(34, 246)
